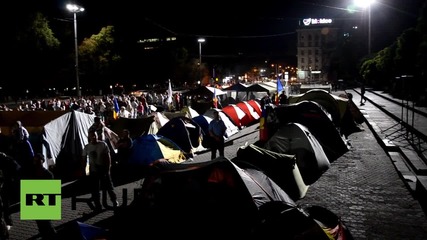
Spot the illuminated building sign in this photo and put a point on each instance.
(316, 21)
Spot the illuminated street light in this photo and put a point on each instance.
(366, 4)
(200, 40)
(76, 9)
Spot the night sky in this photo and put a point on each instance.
(251, 30)
(237, 36)
(232, 28)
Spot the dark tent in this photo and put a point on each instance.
(296, 139)
(281, 168)
(343, 112)
(259, 88)
(352, 117)
(205, 91)
(203, 122)
(332, 104)
(309, 222)
(136, 126)
(213, 199)
(238, 87)
(236, 93)
(311, 115)
(185, 132)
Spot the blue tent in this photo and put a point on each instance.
(151, 147)
(76, 230)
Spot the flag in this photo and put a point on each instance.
(169, 100)
(279, 90)
(215, 99)
(279, 86)
(116, 109)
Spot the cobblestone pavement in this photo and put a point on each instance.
(362, 187)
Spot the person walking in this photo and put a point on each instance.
(99, 169)
(362, 95)
(217, 130)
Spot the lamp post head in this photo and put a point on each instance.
(201, 40)
(74, 8)
(364, 3)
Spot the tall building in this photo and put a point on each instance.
(317, 40)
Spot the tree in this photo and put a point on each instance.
(33, 51)
(406, 56)
(99, 60)
(406, 51)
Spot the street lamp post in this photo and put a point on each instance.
(200, 41)
(367, 4)
(76, 9)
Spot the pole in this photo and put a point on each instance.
(200, 40)
(77, 55)
(277, 70)
(200, 61)
(200, 53)
(369, 29)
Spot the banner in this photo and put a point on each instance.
(169, 100)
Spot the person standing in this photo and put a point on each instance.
(22, 150)
(99, 127)
(99, 169)
(124, 147)
(265, 101)
(217, 130)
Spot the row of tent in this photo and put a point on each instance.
(254, 194)
(314, 128)
(61, 135)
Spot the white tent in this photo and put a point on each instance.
(159, 120)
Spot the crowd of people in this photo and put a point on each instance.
(129, 106)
